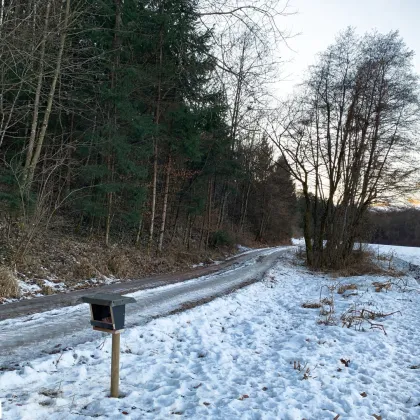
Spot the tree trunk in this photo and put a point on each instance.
(110, 199)
(155, 142)
(244, 209)
(187, 225)
(35, 116)
(222, 208)
(44, 126)
(209, 208)
(154, 188)
(307, 226)
(165, 204)
(111, 162)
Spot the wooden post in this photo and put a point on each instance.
(115, 365)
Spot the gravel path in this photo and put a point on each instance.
(27, 337)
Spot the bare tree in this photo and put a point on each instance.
(347, 138)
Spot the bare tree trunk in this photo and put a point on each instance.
(154, 188)
(155, 144)
(165, 204)
(1, 14)
(203, 224)
(69, 158)
(187, 227)
(35, 116)
(44, 126)
(110, 197)
(111, 162)
(139, 229)
(222, 209)
(192, 222)
(261, 229)
(245, 208)
(209, 208)
(176, 219)
(307, 226)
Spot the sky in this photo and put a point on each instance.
(318, 22)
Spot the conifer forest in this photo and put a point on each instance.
(137, 122)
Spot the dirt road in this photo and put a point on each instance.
(25, 338)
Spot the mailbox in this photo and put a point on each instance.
(107, 311)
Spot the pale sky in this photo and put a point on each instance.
(319, 21)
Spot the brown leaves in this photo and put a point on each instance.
(363, 394)
(311, 305)
(377, 416)
(345, 362)
(243, 397)
(384, 285)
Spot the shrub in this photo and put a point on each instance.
(84, 270)
(220, 238)
(9, 284)
(47, 290)
(119, 265)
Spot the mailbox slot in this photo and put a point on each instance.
(101, 317)
(107, 311)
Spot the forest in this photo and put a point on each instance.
(136, 123)
(395, 227)
(152, 126)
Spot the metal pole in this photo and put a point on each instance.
(115, 365)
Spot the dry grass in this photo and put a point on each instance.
(327, 311)
(84, 269)
(379, 286)
(360, 263)
(356, 317)
(47, 290)
(9, 285)
(79, 258)
(344, 287)
(119, 265)
(328, 301)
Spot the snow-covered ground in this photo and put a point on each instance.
(406, 253)
(254, 354)
(68, 326)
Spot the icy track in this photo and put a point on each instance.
(22, 339)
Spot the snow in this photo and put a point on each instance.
(254, 354)
(406, 253)
(242, 248)
(68, 327)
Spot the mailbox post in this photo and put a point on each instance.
(107, 314)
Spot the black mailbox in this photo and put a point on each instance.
(107, 311)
